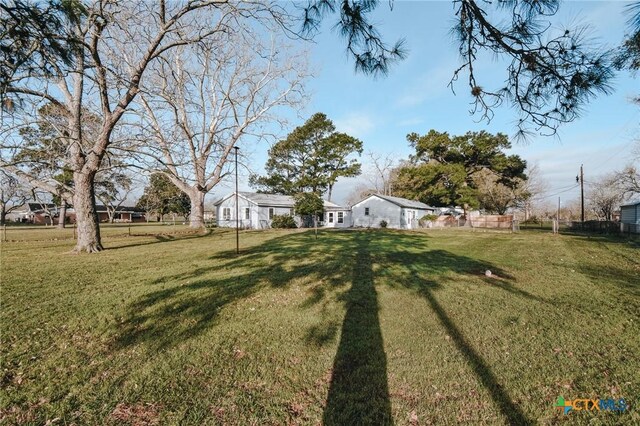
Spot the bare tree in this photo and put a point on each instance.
(628, 179)
(532, 189)
(359, 192)
(113, 45)
(200, 101)
(495, 196)
(13, 194)
(380, 171)
(605, 197)
(112, 190)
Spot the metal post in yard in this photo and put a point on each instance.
(582, 196)
(237, 208)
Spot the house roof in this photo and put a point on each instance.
(35, 207)
(402, 202)
(274, 200)
(121, 209)
(630, 204)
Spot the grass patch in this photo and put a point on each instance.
(357, 327)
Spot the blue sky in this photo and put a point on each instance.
(414, 97)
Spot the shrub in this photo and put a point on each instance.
(383, 223)
(283, 221)
(533, 220)
(427, 218)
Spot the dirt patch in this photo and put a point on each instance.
(136, 414)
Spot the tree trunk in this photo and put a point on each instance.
(3, 216)
(196, 218)
(63, 215)
(84, 203)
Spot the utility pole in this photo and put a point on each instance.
(237, 209)
(557, 224)
(582, 195)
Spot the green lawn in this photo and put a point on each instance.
(357, 327)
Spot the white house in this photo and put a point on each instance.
(399, 213)
(257, 210)
(336, 216)
(630, 218)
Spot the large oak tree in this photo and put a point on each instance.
(446, 170)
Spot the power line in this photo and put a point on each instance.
(557, 193)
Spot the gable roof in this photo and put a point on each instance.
(272, 200)
(402, 202)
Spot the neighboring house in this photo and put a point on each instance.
(449, 211)
(257, 210)
(209, 216)
(399, 213)
(630, 218)
(41, 214)
(122, 214)
(48, 213)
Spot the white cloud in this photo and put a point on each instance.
(357, 124)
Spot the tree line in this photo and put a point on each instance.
(88, 88)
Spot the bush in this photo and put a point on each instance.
(283, 221)
(383, 223)
(533, 220)
(427, 218)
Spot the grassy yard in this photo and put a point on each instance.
(368, 327)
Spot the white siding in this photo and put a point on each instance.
(346, 219)
(379, 210)
(630, 214)
(262, 215)
(411, 216)
(230, 202)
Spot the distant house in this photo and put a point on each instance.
(125, 214)
(41, 214)
(48, 214)
(630, 218)
(398, 213)
(257, 210)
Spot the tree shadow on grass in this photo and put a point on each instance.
(160, 238)
(358, 391)
(193, 299)
(627, 279)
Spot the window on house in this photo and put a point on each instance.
(330, 217)
(366, 211)
(226, 213)
(271, 212)
(247, 213)
(340, 217)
